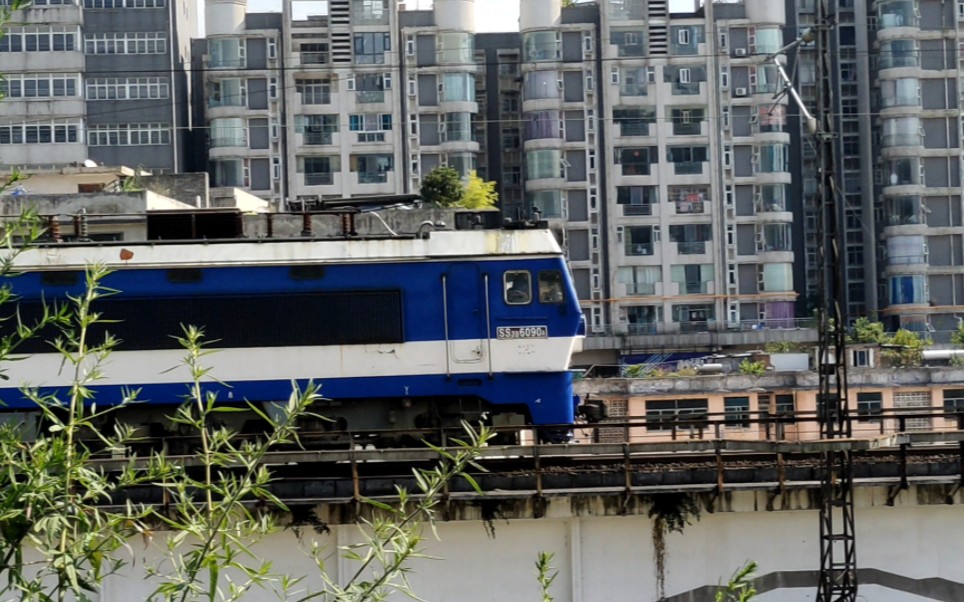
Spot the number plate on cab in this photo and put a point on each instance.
(522, 332)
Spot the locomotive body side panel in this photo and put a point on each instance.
(362, 327)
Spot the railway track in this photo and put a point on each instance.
(518, 472)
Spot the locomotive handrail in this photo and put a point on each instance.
(445, 324)
(488, 323)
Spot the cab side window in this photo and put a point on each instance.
(550, 287)
(518, 287)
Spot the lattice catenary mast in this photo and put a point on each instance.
(838, 551)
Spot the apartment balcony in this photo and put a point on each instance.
(319, 179)
(689, 168)
(639, 249)
(696, 247)
(229, 141)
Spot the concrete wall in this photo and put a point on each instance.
(94, 203)
(906, 553)
(401, 221)
(186, 188)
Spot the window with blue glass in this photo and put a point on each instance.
(905, 290)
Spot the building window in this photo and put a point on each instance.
(688, 122)
(462, 163)
(540, 125)
(229, 131)
(128, 88)
(548, 202)
(690, 239)
(370, 48)
(693, 278)
(372, 169)
(681, 414)
(689, 200)
(369, 88)
(634, 121)
(897, 13)
(540, 46)
(317, 129)
(39, 39)
(908, 290)
(628, 42)
(371, 127)
(123, 3)
(229, 173)
(636, 161)
(869, 407)
(640, 240)
(458, 87)
(637, 200)
(314, 91)
(777, 238)
(313, 54)
(694, 317)
(456, 48)
(768, 40)
(511, 140)
(686, 160)
(685, 80)
(40, 133)
(458, 127)
(633, 81)
(126, 43)
(369, 12)
(542, 164)
(318, 171)
(773, 158)
(898, 53)
(954, 401)
(737, 412)
(46, 85)
(685, 39)
(640, 280)
(783, 406)
(129, 134)
(508, 101)
(228, 93)
(777, 277)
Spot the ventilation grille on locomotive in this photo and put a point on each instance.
(297, 319)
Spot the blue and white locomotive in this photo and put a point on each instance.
(402, 332)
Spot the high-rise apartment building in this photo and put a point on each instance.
(99, 80)
(853, 120)
(897, 122)
(361, 99)
(651, 141)
(662, 155)
(916, 58)
(239, 78)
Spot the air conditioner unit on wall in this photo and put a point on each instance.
(739, 52)
(739, 92)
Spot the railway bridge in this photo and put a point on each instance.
(665, 519)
